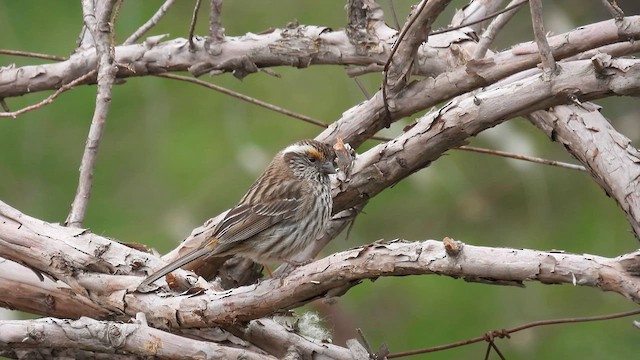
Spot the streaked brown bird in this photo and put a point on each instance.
(283, 212)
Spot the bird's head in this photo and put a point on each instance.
(310, 159)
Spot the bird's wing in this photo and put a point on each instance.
(247, 220)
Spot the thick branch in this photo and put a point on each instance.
(608, 155)
(334, 275)
(446, 128)
(112, 337)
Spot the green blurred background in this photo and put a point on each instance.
(175, 154)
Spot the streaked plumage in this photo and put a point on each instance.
(284, 210)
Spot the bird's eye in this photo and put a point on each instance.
(312, 159)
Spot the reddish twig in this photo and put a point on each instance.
(246, 98)
(523, 157)
(506, 332)
(32, 55)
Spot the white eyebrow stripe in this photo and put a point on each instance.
(300, 149)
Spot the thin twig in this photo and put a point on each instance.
(192, 25)
(246, 98)
(114, 18)
(533, 159)
(362, 88)
(49, 99)
(505, 333)
(100, 27)
(32, 55)
(216, 31)
(496, 25)
(548, 62)
(150, 23)
(614, 9)
(508, 8)
(523, 157)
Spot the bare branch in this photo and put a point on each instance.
(216, 31)
(150, 23)
(446, 128)
(312, 45)
(494, 28)
(339, 272)
(32, 55)
(192, 25)
(415, 32)
(473, 22)
(100, 27)
(608, 155)
(24, 289)
(613, 8)
(110, 336)
(523, 157)
(504, 333)
(51, 97)
(548, 62)
(363, 121)
(474, 13)
(246, 98)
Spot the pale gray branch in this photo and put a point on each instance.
(150, 23)
(335, 274)
(98, 23)
(608, 155)
(493, 29)
(113, 337)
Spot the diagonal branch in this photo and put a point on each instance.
(548, 63)
(150, 23)
(100, 27)
(608, 155)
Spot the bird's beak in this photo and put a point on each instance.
(328, 168)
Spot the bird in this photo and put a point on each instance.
(282, 213)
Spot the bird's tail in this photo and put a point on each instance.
(183, 260)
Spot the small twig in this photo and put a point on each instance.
(246, 98)
(364, 341)
(496, 25)
(48, 100)
(216, 31)
(523, 157)
(614, 9)
(508, 8)
(100, 27)
(32, 55)
(505, 333)
(362, 88)
(114, 18)
(192, 25)
(533, 159)
(548, 62)
(153, 21)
